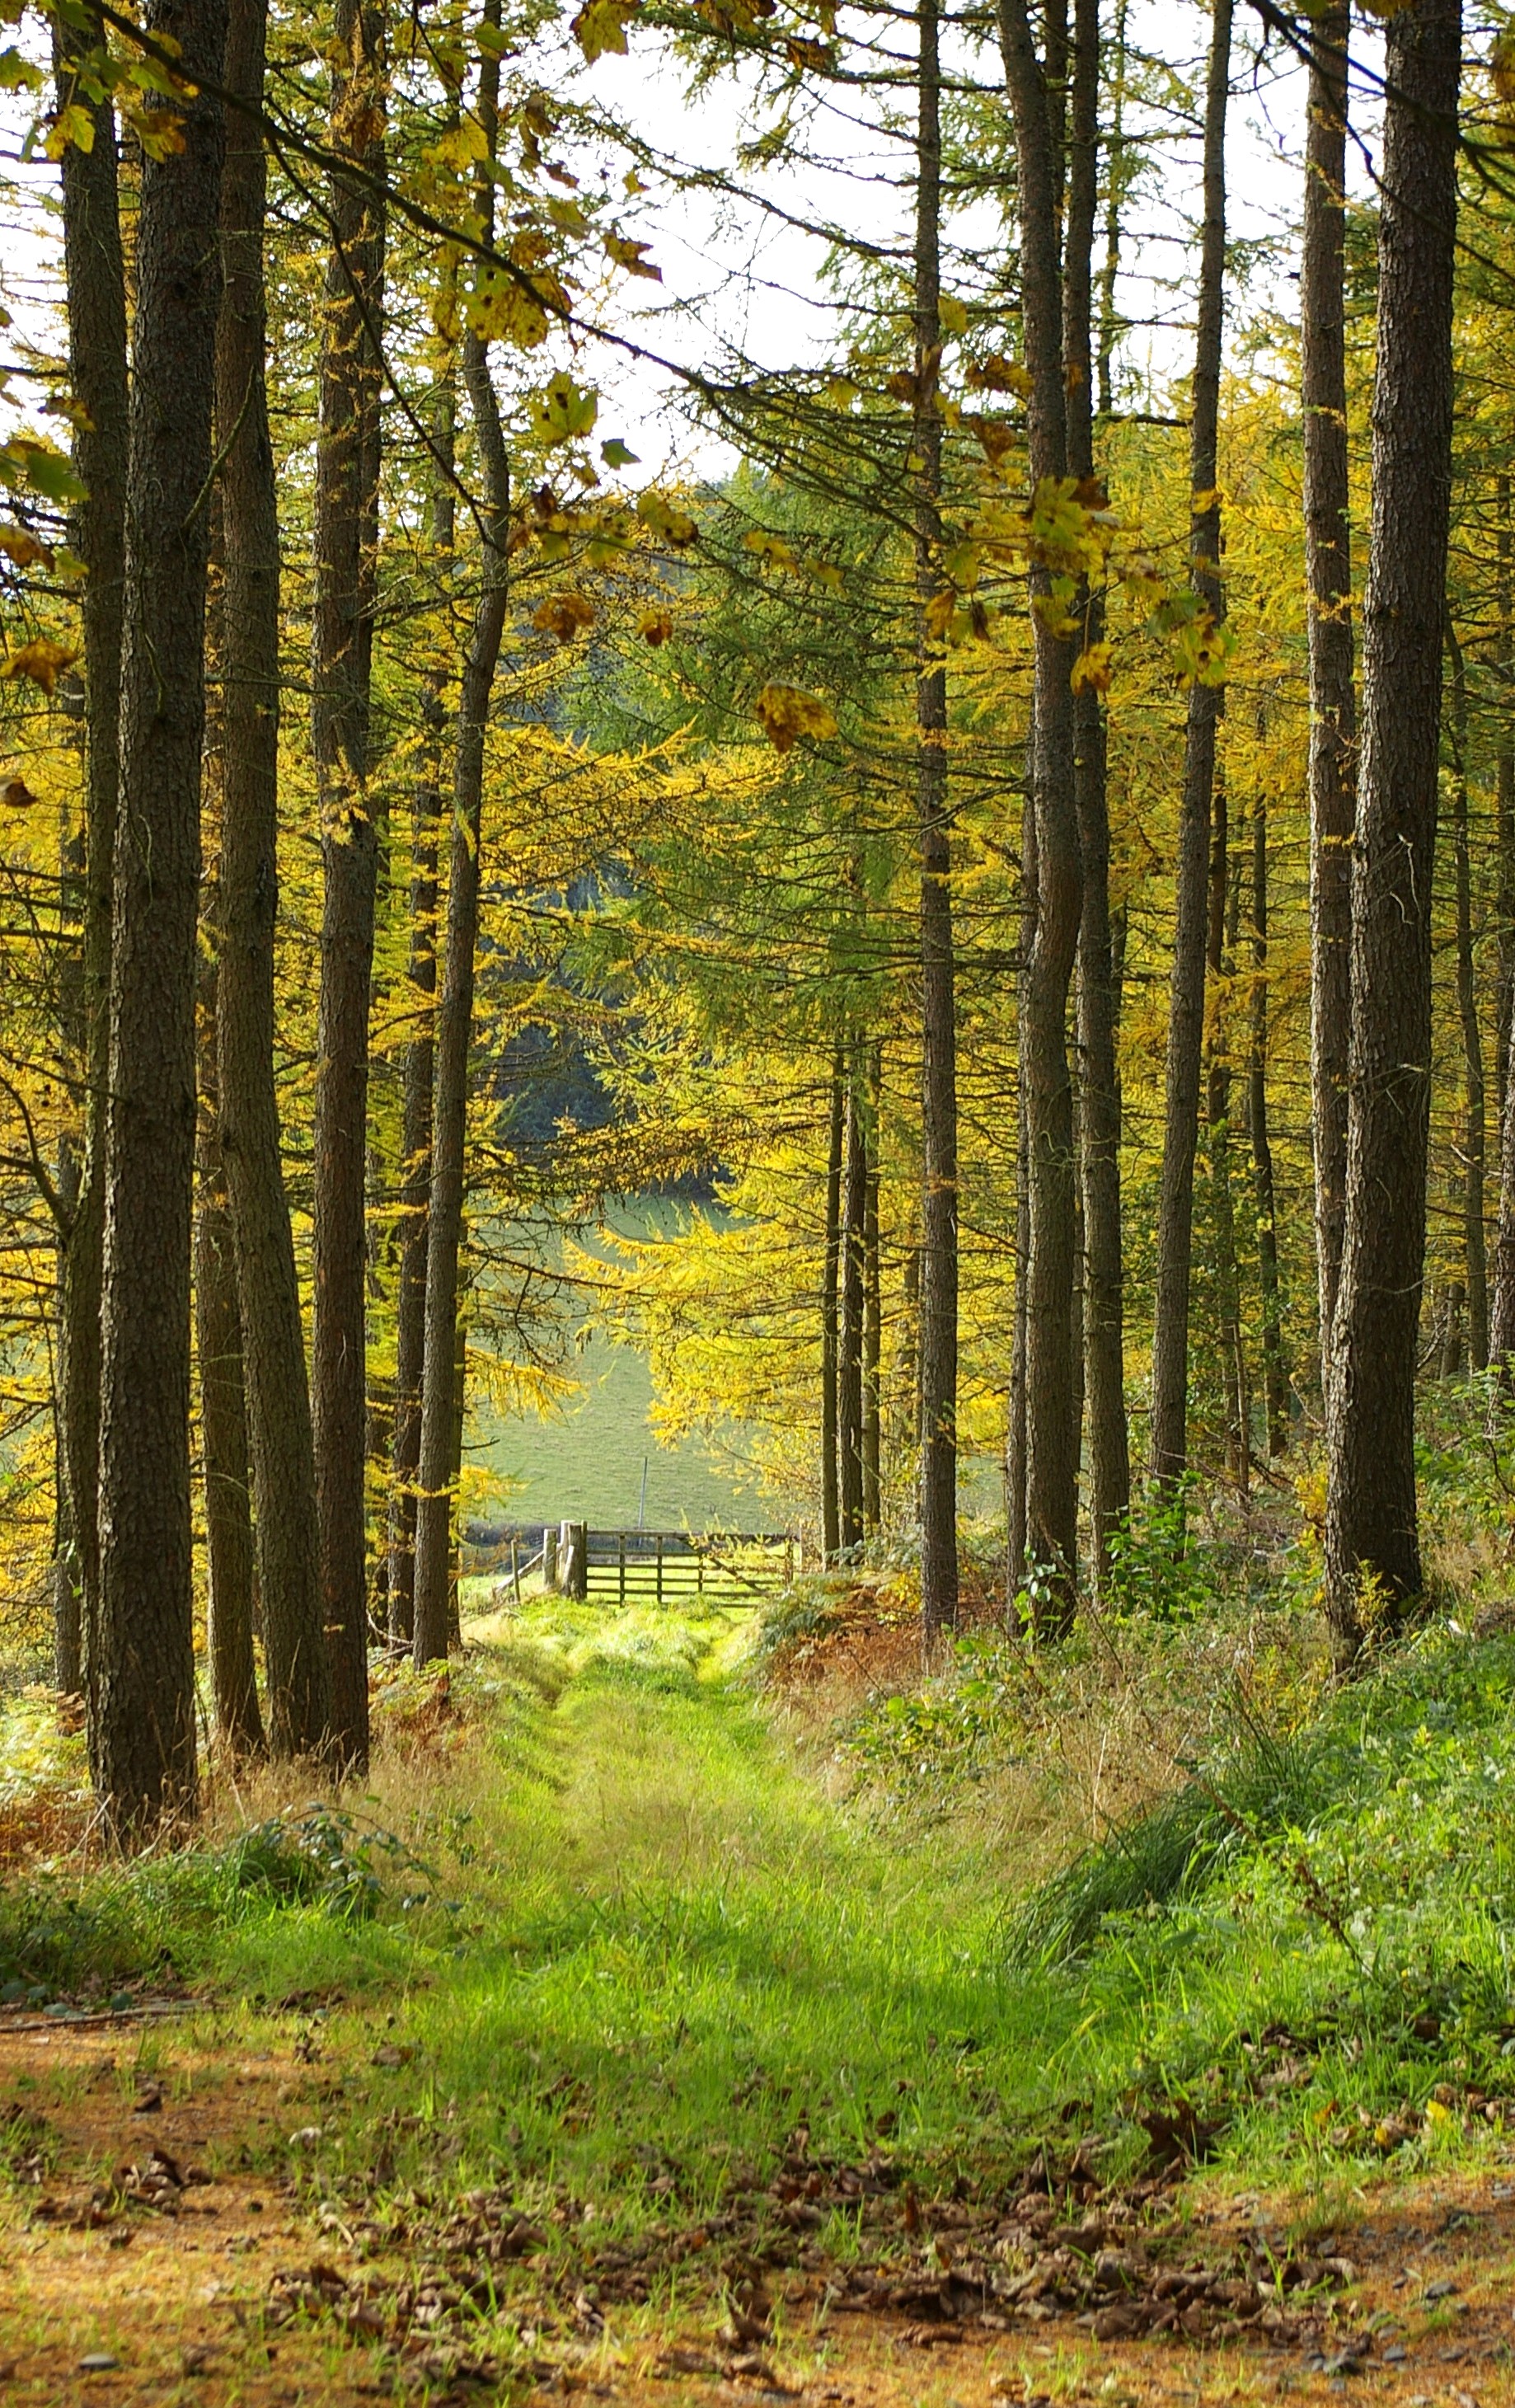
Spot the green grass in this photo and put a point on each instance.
(629, 1939)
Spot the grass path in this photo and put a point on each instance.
(644, 2042)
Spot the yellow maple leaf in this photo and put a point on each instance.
(1093, 669)
(787, 711)
(601, 25)
(22, 549)
(632, 256)
(562, 615)
(42, 661)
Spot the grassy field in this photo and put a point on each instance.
(585, 1463)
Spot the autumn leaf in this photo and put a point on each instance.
(42, 661)
(16, 796)
(994, 435)
(616, 455)
(601, 25)
(562, 615)
(654, 627)
(997, 374)
(801, 52)
(514, 308)
(26, 463)
(787, 711)
(1092, 670)
(632, 256)
(674, 526)
(953, 315)
(73, 125)
(22, 549)
(563, 411)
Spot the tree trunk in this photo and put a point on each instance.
(850, 1374)
(142, 1747)
(1104, 1349)
(1186, 999)
(1116, 180)
(1015, 1442)
(278, 1390)
(831, 1525)
(346, 462)
(1504, 795)
(1227, 1282)
(1333, 706)
(938, 1001)
(1474, 1122)
(224, 1420)
(1502, 1314)
(1371, 1533)
(1047, 1086)
(1275, 1365)
(97, 381)
(873, 1325)
(438, 1485)
(419, 1072)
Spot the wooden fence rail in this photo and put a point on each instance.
(660, 1567)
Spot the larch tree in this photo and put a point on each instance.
(97, 300)
(419, 1072)
(1169, 1444)
(938, 1346)
(280, 1440)
(142, 1737)
(1110, 1458)
(1051, 1469)
(1332, 767)
(347, 475)
(440, 1430)
(1372, 1535)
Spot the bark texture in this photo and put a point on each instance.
(224, 1420)
(1104, 1346)
(1475, 1131)
(97, 381)
(247, 1142)
(1036, 102)
(420, 1078)
(1186, 999)
(831, 1520)
(440, 1444)
(850, 1380)
(1274, 1362)
(141, 1687)
(346, 484)
(938, 984)
(1372, 1541)
(1333, 764)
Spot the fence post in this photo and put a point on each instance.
(620, 1567)
(660, 1567)
(549, 1559)
(575, 1570)
(515, 1570)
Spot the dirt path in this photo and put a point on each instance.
(147, 2255)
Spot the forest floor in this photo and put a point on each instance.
(617, 2045)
